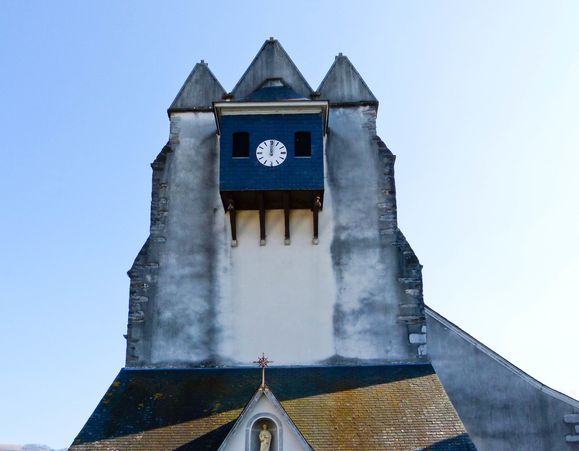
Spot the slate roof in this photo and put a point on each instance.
(393, 407)
(199, 91)
(272, 61)
(343, 85)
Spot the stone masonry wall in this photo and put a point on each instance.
(193, 299)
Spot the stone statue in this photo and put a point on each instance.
(264, 438)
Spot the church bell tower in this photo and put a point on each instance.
(273, 228)
(274, 233)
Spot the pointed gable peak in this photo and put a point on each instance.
(344, 85)
(264, 412)
(271, 62)
(199, 90)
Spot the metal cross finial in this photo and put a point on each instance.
(263, 361)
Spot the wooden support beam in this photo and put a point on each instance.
(232, 221)
(261, 204)
(316, 209)
(286, 217)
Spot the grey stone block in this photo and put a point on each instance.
(417, 338)
(571, 418)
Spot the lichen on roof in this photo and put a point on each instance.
(394, 407)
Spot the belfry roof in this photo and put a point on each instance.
(344, 85)
(271, 62)
(199, 90)
(398, 407)
(341, 85)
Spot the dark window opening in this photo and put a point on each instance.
(303, 144)
(241, 145)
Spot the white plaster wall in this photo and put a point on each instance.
(282, 296)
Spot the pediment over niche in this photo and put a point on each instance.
(264, 425)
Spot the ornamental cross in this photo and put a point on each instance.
(263, 361)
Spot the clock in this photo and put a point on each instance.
(271, 152)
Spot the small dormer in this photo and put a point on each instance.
(264, 424)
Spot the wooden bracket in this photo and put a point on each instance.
(286, 217)
(316, 209)
(261, 219)
(233, 221)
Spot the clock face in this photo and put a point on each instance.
(271, 153)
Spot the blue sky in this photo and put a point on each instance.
(478, 100)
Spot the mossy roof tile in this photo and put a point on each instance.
(393, 407)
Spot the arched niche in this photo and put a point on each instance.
(254, 426)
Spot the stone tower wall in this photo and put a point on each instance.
(356, 296)
(195, 300)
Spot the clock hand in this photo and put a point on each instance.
(271, 148)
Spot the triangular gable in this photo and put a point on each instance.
(264, 409)
(344, 85)
(199, 90)
(271, 61)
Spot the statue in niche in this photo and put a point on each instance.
(264, 438)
